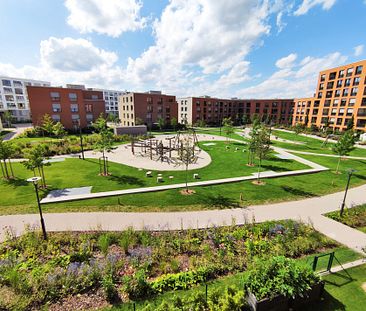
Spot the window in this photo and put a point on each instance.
(56, 107)
(341, 74)
(332, 75)
(361, 112)
(349, 111)
(341, 111)
(8, 90)
(334, 111)
(88, 107)
(343, 102)
(339, 83)
(89, 118)
(345, 92)
(354, 91)
(94, 97)
(352, 102)
(336, 102)
(330, 85)
(9, 98)
(363, 102)
(325, 111)
(74, 107)
(337, 93)
(349, 72)
(73, 96)
(18, 91)
(56, 117)
(359, 70)
(320, 94)
(55, 95)
(347, 82)
(17, 83)
(6, 83)
(356, 81)
(322, 77)
(329, 94)
(327, 103)
(321, 86)
(75, 117)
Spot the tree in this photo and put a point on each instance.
(161, 123)
(228, 127)
(262, 147)
(104, 143)
(36, 161)
(58, 130)
(186, 154)
(252, 141)
(344, 146)
(351, 123)
(174, 123)
(6, 152)
(298, 128)
(8, 117)
(47, 125)
(244, 120)
(139, 121)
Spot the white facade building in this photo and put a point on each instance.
(111, 100)
(14, 97)
(185, 110)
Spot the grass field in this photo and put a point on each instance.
(76, 173)
(343, 254)
(310, 144)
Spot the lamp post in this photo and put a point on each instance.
(81, 142)
(350, 172)
(34, 181)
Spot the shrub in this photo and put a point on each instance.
(279, 276)
(109, 288)
(103, 242)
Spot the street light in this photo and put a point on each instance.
(81, 141)
(350, 172)
(34, 181)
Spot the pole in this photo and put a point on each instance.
(81, 143)
(345, 194)
(40, 213)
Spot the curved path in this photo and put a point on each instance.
(308, 210)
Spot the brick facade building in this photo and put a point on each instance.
(147, 108)
(70, 106)
(340, 96)
(212, 111)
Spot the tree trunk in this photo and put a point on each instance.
(43, 177)
(6, 169)
(187, 178)
(2, 169)
(11, 168)
(104, 165)
(259, 170)
(339, 161)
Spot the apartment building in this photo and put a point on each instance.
(73, 107)
(147, 108)
(14, 97)
(340, 96)
(212, 111)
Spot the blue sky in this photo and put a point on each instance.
(231, 48)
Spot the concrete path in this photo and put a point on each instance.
(18, 130)
(307, 210)
(325, 155)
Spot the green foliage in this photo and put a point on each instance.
(228, 127)
(6, 152)
(36, 161)
(109, 287)
(268, 278)
(354, 217)
(344, 145)
(103, 242)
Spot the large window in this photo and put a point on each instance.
(332, 75)
(345, 92)
(56, 117)
(74, 107)
(55, 95)
(73, 96)
(349, 72)
(352, 102)
(56, 107)
(337, 93)
(339, 83)
(347, 82)
(359, 70)
(356, 81)
(322, 77)
(6, 82)
(341, 74)
(354, 91)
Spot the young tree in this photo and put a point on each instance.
(228, 127)
(262, 147)
(47, 125)
(174, 123)
(161, 123)
(244, 120)
(187, 155)
(6, 152)
(252, 141)
(36, 161)
(351, 123)
(104, 142)
(344, 146)
(139, 121)
(58, 130)
(298, 128)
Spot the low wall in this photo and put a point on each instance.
(131, 130)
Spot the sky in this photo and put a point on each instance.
(221, 48)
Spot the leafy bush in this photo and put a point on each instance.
(353, 217)
(279, 276)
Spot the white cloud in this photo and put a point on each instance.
(286, 62)
(201, 36)
(279, 21)
(298, 81)
(309, 4)
(70, 60)
(358, 50)
(110, 17)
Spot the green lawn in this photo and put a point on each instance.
(343, 291)
(76, 173)
(343, 254)
(354, 217)
(310, 144)
(3, 133)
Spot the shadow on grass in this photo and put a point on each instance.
(298, 192)
(219, 201)
(275, 168)
(129, 180)
(16, 182)
(340, 279)
(327, 303)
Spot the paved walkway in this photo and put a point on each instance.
(325, 155)
(18, 130)
(308, 210)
